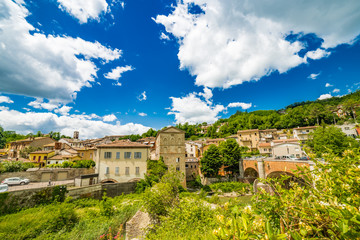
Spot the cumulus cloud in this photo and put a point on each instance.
(229, 42)
(45, 122)
(328, 85)
(116, 73)
(207, 94)
(325, 96)
(84, 10)
(313, 76)
(336, 90)
(317, 54)
(142, 114)
(193, 110)
(142, 96)
(163, 36)
(109, 118)
(5, 99)
(64, 110)
(39, 103)
(45, 66)
(240, 104)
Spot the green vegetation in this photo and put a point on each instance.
(74, 164)
(227, 187)
(325, 140)
(134, 137)
(15, 166)
(211, 162)
(156, 169)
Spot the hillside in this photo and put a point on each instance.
(329, 111)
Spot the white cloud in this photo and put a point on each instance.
(5, 99)
(109, 118)
(317, 54)
(2, 108)
(115, 73)
(142, 96)
(207, 94)
(32, 122)
(328, 85)
(240, 104)
(313, 76)
(325, 96)
(163, 36)
(84, 10)
(39, 103)
(142, 114)
(193, 110)
(236, 41)
(336, 90)
(64, 110)
(45, 66)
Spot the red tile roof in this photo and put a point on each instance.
(285, 140)
(123, 144)
(264, 144)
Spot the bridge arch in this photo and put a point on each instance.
(109, 180)
(292, 178)
(250, 174)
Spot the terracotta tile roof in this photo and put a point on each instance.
(285, 140)
(123, 144)
(50, 145)
(215, 140)
(61, 157)
(44, 152)
(264, 144)
(248, 130)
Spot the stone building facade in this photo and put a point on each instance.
(170, 144)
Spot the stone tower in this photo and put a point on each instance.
(76, 134)
(170, 144)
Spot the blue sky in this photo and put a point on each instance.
(120, 67)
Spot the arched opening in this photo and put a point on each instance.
(285, 182)
(134, 180)
(109, 180)
(250, 174)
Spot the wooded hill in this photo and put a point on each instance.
(300, 114)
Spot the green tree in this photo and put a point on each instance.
(231, 155)
(2, 138)
(330, 140)
(211, 162)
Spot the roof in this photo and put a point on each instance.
(285, 140)
(168, 128)
(60, 157)
(265, 144)
(42, 152)
(215, 140)
(248, 130)
(123, 144)
(309, 127)
(50, 145)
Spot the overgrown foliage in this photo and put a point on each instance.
(227, 187)
(211, 161)
(156, 169)
(74, 164)
(15, 166)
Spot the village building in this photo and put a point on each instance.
(349, 129)
(302, 133)
(170, 144)
(265, 149)
(147, 141)
(121, 161)
(192, 168)
(287, 147)
(193, 149)
(16, 147)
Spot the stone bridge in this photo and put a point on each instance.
(270, 167)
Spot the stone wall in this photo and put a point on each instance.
(43, 174)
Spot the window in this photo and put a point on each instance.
(107, 170)
(177, 168)
(34, 158)
(127, 171)
(347, 128)
(127, 154)
(117, 171)
(45, 157)
(186, 165)
(137, 171)
(107, 154)
(82, 154)
(177, 160)
(190, 166)
(48, 162)
(91, 155)
(39, 158)
(117, 155)
(194, 166)
(137, 155)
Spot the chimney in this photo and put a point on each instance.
(58, 146)
(76, 134)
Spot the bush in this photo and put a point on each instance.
(74, 164)
(15, 166)
(226, 187)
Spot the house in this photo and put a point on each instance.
(302, 133)
(60, 158)
(33, 142)
(170, 144)
(287, 147)
(193, 149)
(86, 153)
(265, 149)
(147, 141)
(249, 138)
(192, 168)
(121, 161)
(349, 130)
(41, 157)
(215, 141)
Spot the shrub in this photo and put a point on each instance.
(226, 187)
(15, 166)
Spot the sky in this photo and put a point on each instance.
(113, 67)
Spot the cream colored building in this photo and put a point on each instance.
(170, 144)
(265, 148)
(121, 161)
(302, 133)
(192, 149)
(287, 147)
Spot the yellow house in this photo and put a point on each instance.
(57, 159)
(86, 153)
(41, 157)
(5, 150)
